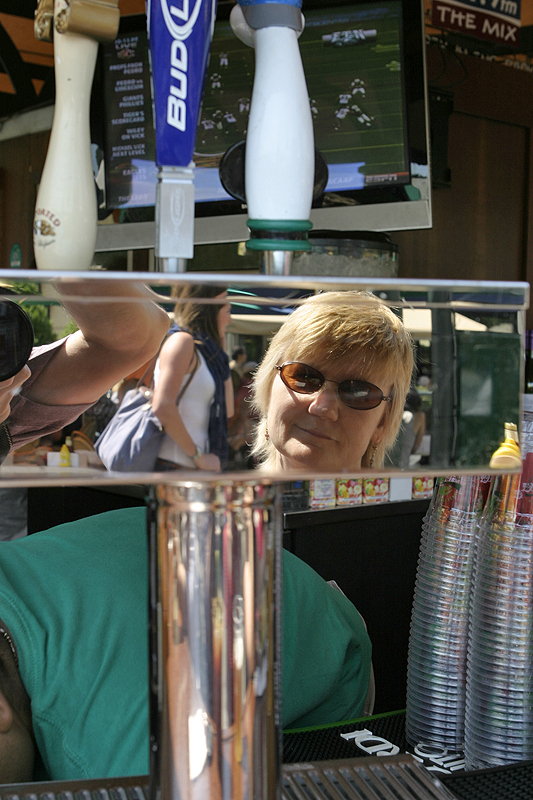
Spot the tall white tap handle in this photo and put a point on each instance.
(64, 227)
(280, 152)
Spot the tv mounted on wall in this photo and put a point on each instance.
(365, 69)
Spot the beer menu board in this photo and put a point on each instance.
(131, 173)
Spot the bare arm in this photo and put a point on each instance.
(175, 361)
(120, 328)
(230, 397)
(420, 427)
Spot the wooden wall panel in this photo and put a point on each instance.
(479, 223)
(21, 164)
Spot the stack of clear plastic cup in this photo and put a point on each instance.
(499, 702)
(436, 667)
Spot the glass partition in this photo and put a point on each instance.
(466, 384)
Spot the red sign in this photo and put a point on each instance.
(473, 22)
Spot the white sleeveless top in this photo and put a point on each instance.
(194, 408)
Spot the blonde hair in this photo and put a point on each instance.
(339, 326)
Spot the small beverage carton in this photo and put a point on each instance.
(375, 490)
(322, 493)
(422, 487)
(349, 491)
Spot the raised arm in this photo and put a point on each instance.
(120, 328)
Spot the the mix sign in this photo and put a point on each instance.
(494, 20)
(180, 33)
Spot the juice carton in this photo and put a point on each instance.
(375, 490)
(322, 493)
(349, 491)
(422, 487)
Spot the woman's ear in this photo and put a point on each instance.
(6, 714)
(17, 748)
(379, 430)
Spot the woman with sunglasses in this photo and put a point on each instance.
(329, 394)
(330, 390)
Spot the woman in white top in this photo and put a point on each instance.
(193, 394)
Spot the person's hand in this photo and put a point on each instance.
(208, 461)
(9, 388)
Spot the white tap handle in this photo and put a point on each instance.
(280, 152)
(65, 222)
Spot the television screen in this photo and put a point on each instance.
(364, 66)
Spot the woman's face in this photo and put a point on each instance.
(318, 431)
(224, 315)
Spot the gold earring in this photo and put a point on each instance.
(267, 435)
(373, 454)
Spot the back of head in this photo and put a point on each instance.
(349, 328)
(237, 353)
(413, 401)
(194, 315)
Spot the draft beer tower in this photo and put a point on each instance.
(65, 221)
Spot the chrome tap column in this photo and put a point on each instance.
(215, 632)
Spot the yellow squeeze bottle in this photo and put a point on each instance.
(507, 456)
(64, 456)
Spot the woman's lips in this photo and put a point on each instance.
(315, 433)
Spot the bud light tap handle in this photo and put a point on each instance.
(180, 37)
(65, 221)
(280, 153)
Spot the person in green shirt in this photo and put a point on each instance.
(74, 650)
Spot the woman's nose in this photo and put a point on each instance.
(325, 402)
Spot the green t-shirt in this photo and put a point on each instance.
(75, 599)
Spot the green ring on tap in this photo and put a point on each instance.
(283, 234)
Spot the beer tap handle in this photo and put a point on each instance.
(65, 221)
(180, 38)
(280, 154)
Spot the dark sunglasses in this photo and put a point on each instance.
(307, 380)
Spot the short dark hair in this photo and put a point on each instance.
(239, 351)
(413, 401)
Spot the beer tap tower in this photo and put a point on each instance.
(64, 226)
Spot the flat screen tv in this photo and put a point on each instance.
(365, 69)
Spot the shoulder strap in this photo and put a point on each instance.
(153, 361)
(151, 366)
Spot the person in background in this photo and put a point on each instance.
(64, 378)
(236, 365)
(193, 391)
(411, 432)
(241, 424)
